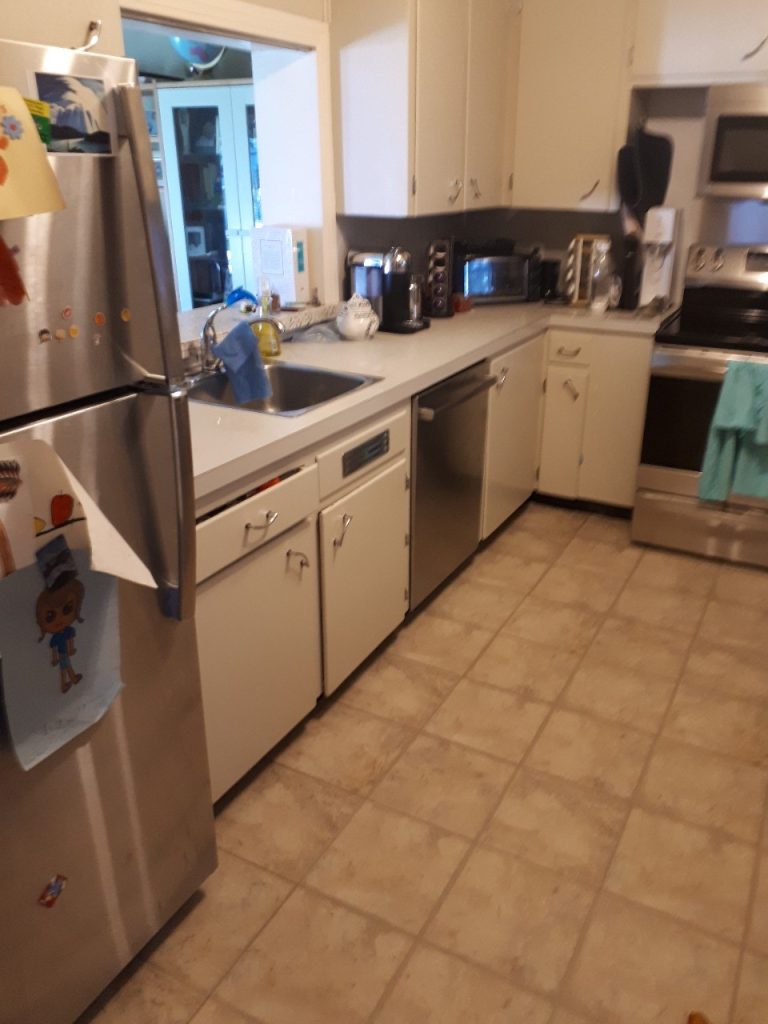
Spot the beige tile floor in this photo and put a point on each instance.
(544, 802)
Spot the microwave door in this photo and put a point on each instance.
(734, 161)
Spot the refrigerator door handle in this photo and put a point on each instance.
(177, 596)
(133, 125)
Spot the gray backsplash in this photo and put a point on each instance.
(552, 230)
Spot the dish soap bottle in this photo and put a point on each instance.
(265, 331)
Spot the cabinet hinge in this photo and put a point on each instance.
(407, 482)
(407, 539)
(413, 185)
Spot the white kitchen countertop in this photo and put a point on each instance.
(230, 445)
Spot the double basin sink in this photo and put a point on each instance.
(295, 389)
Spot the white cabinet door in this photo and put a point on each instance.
(488, 68)
(512, 442)
(441, 103)
(364, 570)
(564, 412)
(615, 415)
(258, 635)
(572, 102)
(700, 40)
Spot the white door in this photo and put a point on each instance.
(571, 99)
(258, 636)
(441, 103)
(699, 40)
(615, 416)
(204, 157)
(564, 410)
(513, 432)
(489, 46)
(364, 558)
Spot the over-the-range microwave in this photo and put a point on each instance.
(734, 161)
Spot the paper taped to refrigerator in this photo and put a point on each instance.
(60, 649)
(40, 499)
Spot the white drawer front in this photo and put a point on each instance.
(570, 347)
(330, 462)
(232, 533)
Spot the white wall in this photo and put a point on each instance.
(306, 8)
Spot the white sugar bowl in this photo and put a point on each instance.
(356, 319)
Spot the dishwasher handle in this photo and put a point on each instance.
(428, 413)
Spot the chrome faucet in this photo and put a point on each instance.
(208, 340)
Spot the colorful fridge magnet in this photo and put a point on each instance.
(79, 119)
(52, 891)
(10, 481)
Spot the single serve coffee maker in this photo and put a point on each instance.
(401, 290)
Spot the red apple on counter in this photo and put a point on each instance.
(62, 506)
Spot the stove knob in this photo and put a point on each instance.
(700, 258)
(718, 259)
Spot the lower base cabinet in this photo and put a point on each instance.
(258, 634)
(512, 438)
(364, 556)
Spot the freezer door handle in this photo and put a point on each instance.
(177, 592)
(134, 126)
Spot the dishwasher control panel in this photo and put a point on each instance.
(363, 454)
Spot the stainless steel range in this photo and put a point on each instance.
(723, 318)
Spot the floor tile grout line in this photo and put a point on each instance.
(751, 904)
(631, 804)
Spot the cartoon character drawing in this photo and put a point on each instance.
(56, 609)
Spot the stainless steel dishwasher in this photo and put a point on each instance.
(449, 424)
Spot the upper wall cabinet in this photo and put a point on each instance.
(419, 101)
(572, 103)
(700, 41)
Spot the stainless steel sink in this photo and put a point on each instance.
(295, 389)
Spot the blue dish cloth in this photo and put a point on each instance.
(736, 456)
(242, 360)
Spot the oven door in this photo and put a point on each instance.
(683, 392)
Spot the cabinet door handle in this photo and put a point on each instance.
(569, 353)
(476, 193)
(345, 521)
(269, 519)
(589, 192)
(457, 185)
(753, 53)
(571, 388)
(501, 380)
(303, 560)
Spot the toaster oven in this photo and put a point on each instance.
(495, 272)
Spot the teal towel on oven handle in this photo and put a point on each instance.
(736, 456)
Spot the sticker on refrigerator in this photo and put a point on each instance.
(79, 118)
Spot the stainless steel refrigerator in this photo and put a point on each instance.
(90, 363)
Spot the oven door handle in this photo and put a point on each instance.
(689, 372)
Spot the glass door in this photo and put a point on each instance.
(210, 237)
(248, 182)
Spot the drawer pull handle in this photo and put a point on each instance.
(457, 185)
(269, 519)
(345, 521)
(589, 192)
(303, 560)
(569, 353)
(571, 388)
(753, 53)
(476, 193)
(501, 380)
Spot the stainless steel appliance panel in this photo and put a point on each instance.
(133, 457)
(734, 164)
(123, 812)
(449, 424)
(86, 267)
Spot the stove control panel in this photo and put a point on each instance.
(731, 266)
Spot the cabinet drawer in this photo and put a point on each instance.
(572, 347)
(359, 453)
(246, 525)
